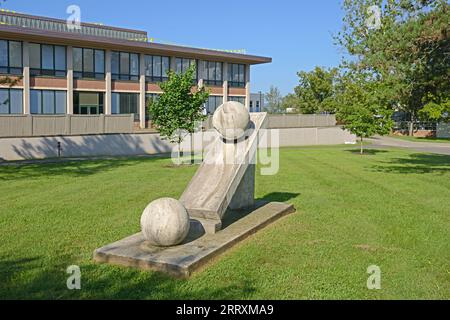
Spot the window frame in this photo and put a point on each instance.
(9, 101)
(231, 82)
(210, 81)
(152, 78)
(41, 72)
(129, 77)
(54, 102)
(195, 80)
(90, 75)
(128, 94)
(8, 66)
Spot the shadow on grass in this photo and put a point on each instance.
(279, 197)
(69, 168)
(27, 279)
(418, 163)
(367, 151)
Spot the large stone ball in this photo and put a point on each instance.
(231, 120)
(165, 223)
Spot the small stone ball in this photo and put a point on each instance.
(165, 223)
(231, 120)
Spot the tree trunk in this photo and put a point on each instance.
(179, 153)
(411, 125)
(192, 149)
(362, 146)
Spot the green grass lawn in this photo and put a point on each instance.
(388, 208)
(417, 139)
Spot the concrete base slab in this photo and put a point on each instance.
(198, 249)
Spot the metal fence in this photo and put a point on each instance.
(443, 130)
(58, 125)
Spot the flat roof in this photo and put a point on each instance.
(15, 32)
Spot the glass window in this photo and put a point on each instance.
(4, 101)
(48, 102)
(236, 75)
(100, 62)
(60, 58)
(77, 60)
(15, 54)
(182, 64)
(89, 63)
(3, 53)
(237, 99)
(157, 66)
(148, 60)
(212, 73)
(134, 64)
(16, 101)
(88, 103)
(213, 103)
(47, 60)
(11, 101)
(61, 102)
(88, 60)
(125, 66)
(10, 57)
(35, 101)
(47, 57)
(115, 62)
(125, 103)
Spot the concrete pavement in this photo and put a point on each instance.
(431, 147)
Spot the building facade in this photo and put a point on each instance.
(256, 102)
(105, 70)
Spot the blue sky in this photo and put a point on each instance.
(297, 34)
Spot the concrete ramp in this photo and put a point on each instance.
(218, 181)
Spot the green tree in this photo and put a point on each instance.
(290, 101)
(316, 90)
(407, 51)
(273, 100)
(362, 111)
(178, 110)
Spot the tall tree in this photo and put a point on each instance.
(407, 49)
(291, 102)
(316, 90)
(362, 109)
(178, 110)
(273, 100)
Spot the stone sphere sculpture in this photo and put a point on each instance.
(231, 120)
(165, 223)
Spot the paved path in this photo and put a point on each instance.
(431, 147)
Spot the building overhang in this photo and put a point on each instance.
(77, 40)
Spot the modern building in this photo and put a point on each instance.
(256, 102)
(105, 70)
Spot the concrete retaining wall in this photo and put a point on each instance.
(140, 144)
(56, 125)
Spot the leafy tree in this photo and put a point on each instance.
(178, 110)
(408, 52)
(316, 90)
(361, 109)
(436, 109)
(290, 101)
(273, 100)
